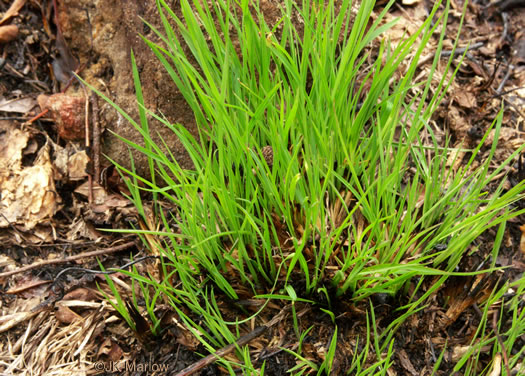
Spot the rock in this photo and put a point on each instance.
(113, 30)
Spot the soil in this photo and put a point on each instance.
(94, 38)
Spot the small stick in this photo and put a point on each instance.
(510, 70)
(86, 117)
(240, 342)
(59, 290)
(461, 50)
(90, 189)
(447, 53)
(35, 118)
(98, 252)
(96, 138)
(505, 18)
(224, 351)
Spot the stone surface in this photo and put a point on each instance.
(101, 34)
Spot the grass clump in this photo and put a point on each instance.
(311, 184)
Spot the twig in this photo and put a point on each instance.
(96, 138)
(36, 117)
(505, 79)
(514, 107)
(86, 116)
(462, 50)
(505, 18)
(224, 351)
(108, 272)
(240, 342)
(281, 349)
(99, 252)
(13, 227)
(457, 51)
(59, 291)
(14, 118)
(507, 92)
(87, 134)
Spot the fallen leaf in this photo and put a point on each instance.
(13, 10)
(77, 165)
(187, 339)
(466, 99)
(66, 315)
(8, 33)
(30, 284)
(520, 52)
(111, 349)
(81, 229)
(406, 363)
(28, 194)
(496, 365)
(20, 105)
(81, 293)
(99, 193)
(12, 143)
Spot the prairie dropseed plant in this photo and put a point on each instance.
(311, 184)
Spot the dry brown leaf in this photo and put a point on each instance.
(40, 234)
(8, 33)
(464, 294)
(406, 363)
(29, 197)
(69, 162)
(520, 52)
(496, 365)
(77, 165)
(28, 286)
(99, 193)
(459, 351)
(12, 143)
(66, 315)
(80, 229)
(187, 339)
(81, 294)
(115, 352)
(28, 194)
(458, 123)
(104, 348)
(507, 138)
(466, 99)
(7, 264)
(13, 10)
